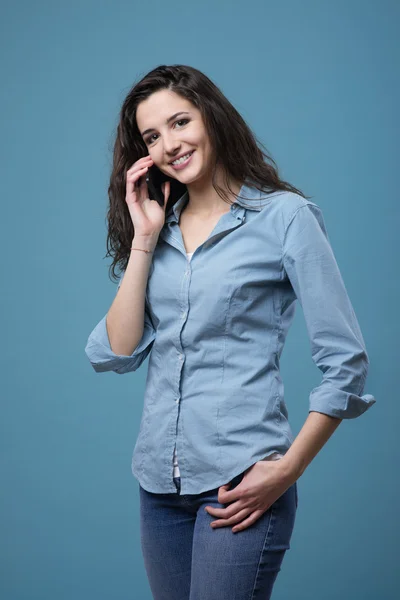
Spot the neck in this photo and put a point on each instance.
(205, 202)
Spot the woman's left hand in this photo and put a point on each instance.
(262, 484)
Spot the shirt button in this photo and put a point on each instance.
(184, 315)
(180, 356)
(176, 399)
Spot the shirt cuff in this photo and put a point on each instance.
(102, 358)
(339, 403)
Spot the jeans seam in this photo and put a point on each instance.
(261, 553)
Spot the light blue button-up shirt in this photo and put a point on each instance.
(215, 328)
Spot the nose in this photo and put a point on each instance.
(171, 147)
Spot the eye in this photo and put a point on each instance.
(182, 121)
(150, 138)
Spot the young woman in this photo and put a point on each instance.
(210, 280)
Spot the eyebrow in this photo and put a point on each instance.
(181, 112)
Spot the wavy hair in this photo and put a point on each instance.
(240, 154)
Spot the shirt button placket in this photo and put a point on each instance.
(183, 316)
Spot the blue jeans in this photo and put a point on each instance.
(186, 559)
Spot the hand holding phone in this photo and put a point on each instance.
(155, 179)
(147, 217)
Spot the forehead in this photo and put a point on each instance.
(159, 106)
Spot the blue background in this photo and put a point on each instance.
(318, 82)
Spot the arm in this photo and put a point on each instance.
(337, 345)
(123, 338)
(314, 434)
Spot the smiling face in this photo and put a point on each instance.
(166, 138)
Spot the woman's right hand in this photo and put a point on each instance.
(148, 217)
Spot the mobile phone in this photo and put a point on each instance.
(155, 178)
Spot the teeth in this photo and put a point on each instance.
(182, 159)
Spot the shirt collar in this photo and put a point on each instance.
(256, 201)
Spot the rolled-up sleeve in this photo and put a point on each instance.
(337, 345)
(99, 352)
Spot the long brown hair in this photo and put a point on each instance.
(232, 141)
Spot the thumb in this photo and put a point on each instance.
(166, 188)
(224, 489)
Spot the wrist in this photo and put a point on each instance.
(291, 469)
(144, 242)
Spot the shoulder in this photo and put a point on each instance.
(284, 208)
(289, 203)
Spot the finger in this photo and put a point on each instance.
(140, 163)
(225, 495)
(247, 522)
(166, 191)
(132, 179)
(223, 513)
(233, 520)
(134, 175)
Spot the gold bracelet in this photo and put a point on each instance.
(148, 251)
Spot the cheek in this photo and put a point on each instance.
(195, 136)
(155, 154)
